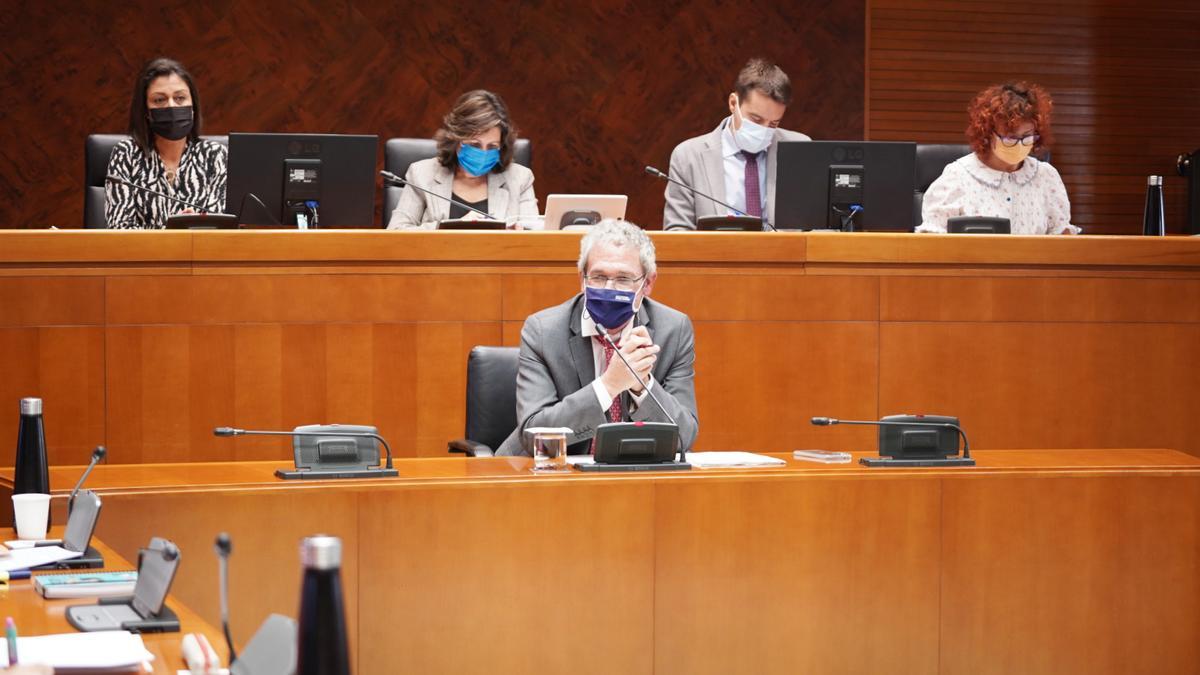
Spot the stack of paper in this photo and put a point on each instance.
(24, 558)
(731, 459)
(111, 651)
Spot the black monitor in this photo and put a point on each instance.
(313, 180)
(845, 185)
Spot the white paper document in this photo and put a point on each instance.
(30, 543)
(24, 558)
(731, 459)
(709, 460)
(110, 650)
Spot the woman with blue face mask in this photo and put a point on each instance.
(474, 165)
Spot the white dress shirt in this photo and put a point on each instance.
(587, 328)
(1033, 197)
(735, 171)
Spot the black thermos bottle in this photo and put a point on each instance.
(1153, 222)
(31, 471)
(322, 636)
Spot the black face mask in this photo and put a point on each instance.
(171, 123)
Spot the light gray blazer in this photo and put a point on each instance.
(510, 193)
(557, 366)
(698, 162)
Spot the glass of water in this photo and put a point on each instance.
(549, 446)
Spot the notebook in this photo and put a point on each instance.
(85, 584)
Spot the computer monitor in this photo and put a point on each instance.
(819, 184)
(302, 180)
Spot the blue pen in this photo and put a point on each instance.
(14, 575)
(10, 629)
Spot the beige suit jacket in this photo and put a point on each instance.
(510, 193)
(699, 163)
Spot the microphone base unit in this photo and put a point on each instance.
(618, 468)
(465, 224)
(932, 461)
(334, 474)
(729, 224)
(91, 618)
(202, 221)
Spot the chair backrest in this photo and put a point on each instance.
(97, 149)
(399, 153)
(932, 159)
(491, 394)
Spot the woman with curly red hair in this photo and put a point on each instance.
(1000, 178)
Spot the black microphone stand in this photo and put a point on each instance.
(965, 460)
(98, 454)
(645, 387)
(177, 200)
(393, 178)
(224, 546)
(387, 471)
(659, 174)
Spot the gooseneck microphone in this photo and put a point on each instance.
(177, 200)
(393, 178)
(829, 421)
(96, 457)
(98, 454)
(645, 386)
(230, 431)
(659, 174)
(224, 546)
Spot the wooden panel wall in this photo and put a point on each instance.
(1033, 342)
(601, 87)
(1125, 78)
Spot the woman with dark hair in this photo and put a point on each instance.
(473, 165)
(165, 153)
(1000, 178)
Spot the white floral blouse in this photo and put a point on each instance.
(1033, 197)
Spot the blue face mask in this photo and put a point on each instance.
(475, 161)
(609, 307)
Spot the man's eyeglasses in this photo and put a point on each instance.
(619, 283)
(1013, 141)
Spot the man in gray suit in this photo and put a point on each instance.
(567, 377)
(736, 162)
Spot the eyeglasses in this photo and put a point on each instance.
(619, 283)
(1012, 141)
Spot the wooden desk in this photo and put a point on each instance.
(36, 615)
(145, 341)
(1072, 561)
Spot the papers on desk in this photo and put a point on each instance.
(709, 460)
(731, 459)
(112, 651)
(24, 558)
(30, 543)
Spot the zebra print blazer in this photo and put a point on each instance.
(200, 180)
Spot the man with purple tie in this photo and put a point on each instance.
(734, 163)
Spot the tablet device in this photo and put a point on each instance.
(563, 211)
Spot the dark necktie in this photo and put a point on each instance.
(753, 195)
(614, 410)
